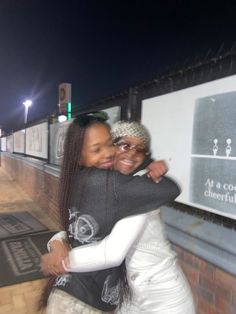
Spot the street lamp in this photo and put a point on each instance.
(27, 104)
(62, 118)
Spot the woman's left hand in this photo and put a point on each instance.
(51, 263)
(156, 170)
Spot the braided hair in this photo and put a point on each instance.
(69, 169)
(70, 165)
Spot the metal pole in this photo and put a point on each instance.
(26, 114)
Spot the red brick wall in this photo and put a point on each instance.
(41, 187)
(214, 290)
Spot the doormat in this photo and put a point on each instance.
(20, 258)
(18, 223)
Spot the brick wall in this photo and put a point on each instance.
(41, 187)
(214, 290)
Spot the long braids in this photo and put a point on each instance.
(70, 165)
(69, 170)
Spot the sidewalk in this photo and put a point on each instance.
(21, 298)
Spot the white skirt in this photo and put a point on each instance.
(167, 292)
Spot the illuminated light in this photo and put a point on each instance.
(62, 118)
(27, 103)
(68, 110)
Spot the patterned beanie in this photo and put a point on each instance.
(133, 128)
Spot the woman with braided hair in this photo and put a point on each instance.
(92, 201)
(156, 281)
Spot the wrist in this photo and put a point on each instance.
(55, 244)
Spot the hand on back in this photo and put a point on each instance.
(156, 170)
(51, 263)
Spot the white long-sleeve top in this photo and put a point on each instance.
(140, 234)
(156, 281)
(110, 251)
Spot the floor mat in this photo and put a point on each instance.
(20, 258)
(18, 223)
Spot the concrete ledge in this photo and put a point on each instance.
(214, 243)
(52, 170)
(33, 162)
(36, 163)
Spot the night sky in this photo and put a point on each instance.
(101, 47)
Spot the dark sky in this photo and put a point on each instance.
(101, 47)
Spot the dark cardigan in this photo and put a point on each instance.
(97, 204)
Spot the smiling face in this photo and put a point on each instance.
(130, 153)
(98, 149)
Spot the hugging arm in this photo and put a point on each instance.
(141, 195)
(59, 236)
(109, 252)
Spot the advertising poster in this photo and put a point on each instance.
(194, 131)
(19, 141)
(3, 144)
(37, 140)
(57, 138)
(58, 133)
(10, 144)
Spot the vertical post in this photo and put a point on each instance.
(133, 108)
(49, 139)
(27, 104)
(0, 144)
(25, 122)
(26, 114)
(25, 142)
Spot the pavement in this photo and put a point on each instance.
(20, 298)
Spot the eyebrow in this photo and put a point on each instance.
(128, 142)
(105, 141)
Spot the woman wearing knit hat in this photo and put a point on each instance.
(91, 202)
(156, 281)
(154, 276)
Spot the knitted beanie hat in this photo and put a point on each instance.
(133, 128)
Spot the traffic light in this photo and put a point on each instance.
(65, 109)
(64, 102)
(68, 111)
